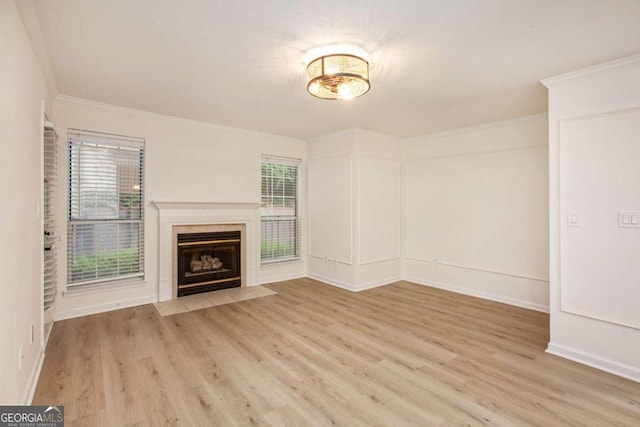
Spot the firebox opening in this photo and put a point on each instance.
(208, 261)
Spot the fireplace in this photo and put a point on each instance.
(208, 261)
(199, 217)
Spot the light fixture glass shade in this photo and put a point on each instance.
(338, 76)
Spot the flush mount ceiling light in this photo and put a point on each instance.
(340, 74)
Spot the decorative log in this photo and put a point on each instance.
(196, 266)
(206, 264)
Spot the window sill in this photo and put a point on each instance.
(278, 262)
(75, 291)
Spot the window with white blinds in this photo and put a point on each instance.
(279, 209)
(106, 208)
(48, 213)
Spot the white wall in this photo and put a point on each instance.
(354, 209)
(594, 133)
(476, 211)
(23, 89)
(185, 161)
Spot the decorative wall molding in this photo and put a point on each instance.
(563, 158)
(475, 268)
(351, 196)
(376, 261)
(594, 361)
(479, 294)
(397, 201)
(329, 260)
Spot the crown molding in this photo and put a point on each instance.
(476, 128)
(142, 113)
(593, 71)
(32, 27)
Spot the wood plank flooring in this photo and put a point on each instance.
(313, 355)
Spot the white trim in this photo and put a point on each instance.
(477, 153)
(479, 294)
(158, 116)
(328, 259)
(100, 287)
(602, 363)
(280, 278)
(565, 282)
(281, 160)
(333, 282)
(475, 268)
(376, 261)
(101, 308)
(279, 261)
(204, 205)
(32, 27)
(625, 63)
(475, 128)
(378, 283)
(351, 201)
(353, 287)
(349, 132)
(397, 203)
(32, 383)
(179, 214)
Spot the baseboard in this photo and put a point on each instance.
(101, 308)
(594, 361)
(376, 283)
(352, 287)
(484, 295)
(280, 278)
(30, 389)
(333, 282)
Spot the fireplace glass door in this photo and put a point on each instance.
(208, 262)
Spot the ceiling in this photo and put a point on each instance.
(436, 64)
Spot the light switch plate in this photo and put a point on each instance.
(629, 219)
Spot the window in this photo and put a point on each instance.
(50, 231)
(106, 208)
(279, 209)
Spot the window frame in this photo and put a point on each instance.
(76, 138)
(284, 161)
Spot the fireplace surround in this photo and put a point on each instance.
(176, 218)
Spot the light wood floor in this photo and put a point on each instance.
(401, 354)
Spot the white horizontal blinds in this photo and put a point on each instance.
(48, 214)
(279, 209)
(106, 208)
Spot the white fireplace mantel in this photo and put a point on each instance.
(172, 214)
